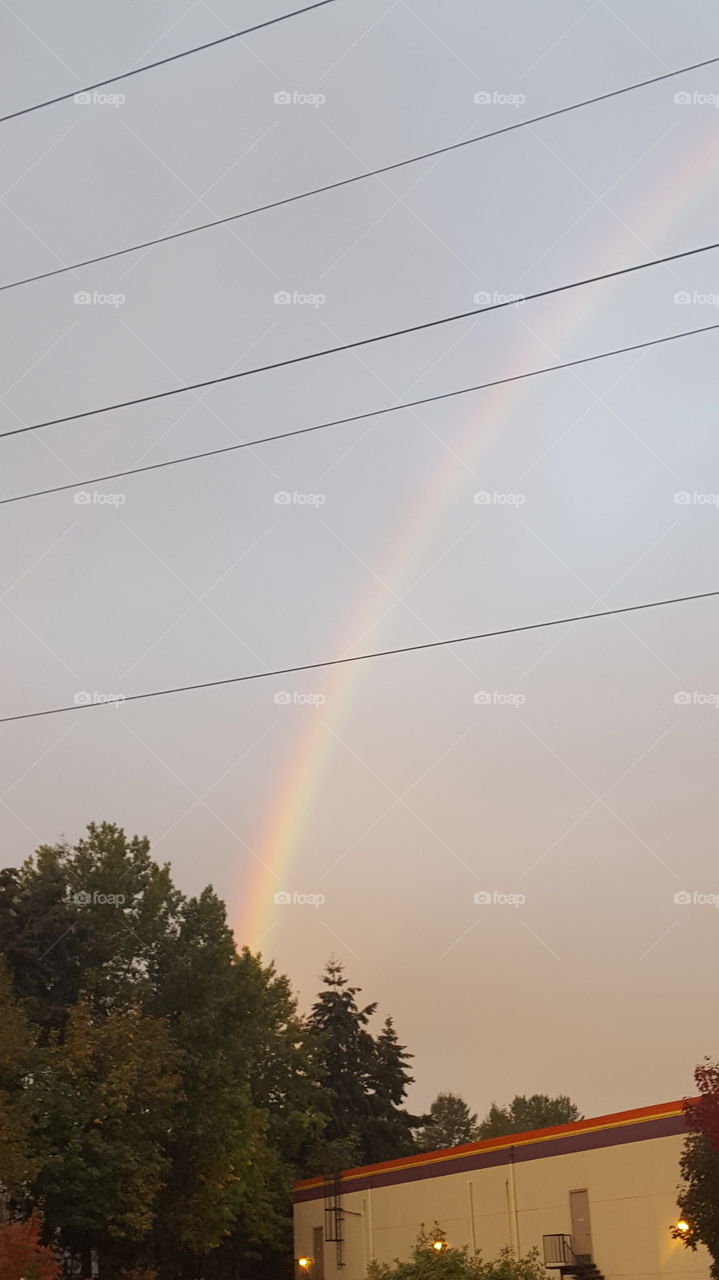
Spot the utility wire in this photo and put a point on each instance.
(360, 342)
(364, 657)
(358, 177)
(161, 62)
(358, 417)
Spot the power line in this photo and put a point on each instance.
(360, 342)
(161, 62)
(358, 177)
(359, 417)
(365, 657)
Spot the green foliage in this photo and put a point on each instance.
(15, 1050)
(523, 1114)
(159, 1092)
(698, 1198)
(364, 1080)
(450, 1123)
(451, 1263)
(104, 1097)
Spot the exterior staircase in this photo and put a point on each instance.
(559, 1255)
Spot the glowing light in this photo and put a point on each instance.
(682, 1225)
(305, 1263)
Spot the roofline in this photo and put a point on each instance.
(637, 1115)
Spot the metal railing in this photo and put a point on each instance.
(558, 1251)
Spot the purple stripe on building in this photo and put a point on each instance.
(564, 1144)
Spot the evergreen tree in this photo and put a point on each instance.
(345, 1060)
(364, 1079)
(389, 1131)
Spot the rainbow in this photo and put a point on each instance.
(300, 785)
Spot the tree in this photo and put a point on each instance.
(288, 1120)
(96, 934)
(389, 1129)
(699, 1197)
(15, 1048)
(23, 1256)
(522, 1114)
(450, 1124)
(213, 1143)
(104, 1098)
(364, 1079)
(344, 1054)
(448, 1263)
(85, 921)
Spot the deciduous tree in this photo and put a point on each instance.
(450, 1123)
(538, 1112)
(699, 1196)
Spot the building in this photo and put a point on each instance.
(597, 1198)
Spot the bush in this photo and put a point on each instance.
(429, 1262)
(23, 1256)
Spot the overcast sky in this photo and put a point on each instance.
(553, 772)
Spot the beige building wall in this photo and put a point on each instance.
(632, 1203)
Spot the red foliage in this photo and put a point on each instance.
(703, 1112)
(22, 1256)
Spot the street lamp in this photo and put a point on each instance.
(682, 1226)
(439, 1245)
(304, 1263)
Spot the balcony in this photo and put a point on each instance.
(559, 1254)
